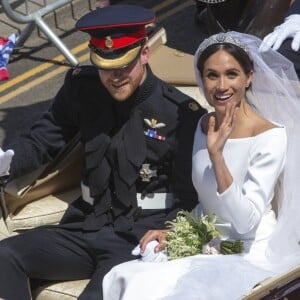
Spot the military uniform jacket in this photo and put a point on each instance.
(153, 130)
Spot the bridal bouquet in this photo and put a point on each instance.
(191, 235)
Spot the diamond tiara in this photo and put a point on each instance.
(221, 38)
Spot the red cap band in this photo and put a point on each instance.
(113, 43)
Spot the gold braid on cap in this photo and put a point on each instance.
(221, 38)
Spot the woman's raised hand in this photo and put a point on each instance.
(218, 134)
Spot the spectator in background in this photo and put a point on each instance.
(102, 3)
(286, 37)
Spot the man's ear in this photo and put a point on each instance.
(145, 53)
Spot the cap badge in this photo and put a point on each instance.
(193, 106)
(146, 173)
(109, 42)
(153, 123)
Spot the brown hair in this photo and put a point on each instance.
(239, 54)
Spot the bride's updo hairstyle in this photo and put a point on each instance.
(238, 53)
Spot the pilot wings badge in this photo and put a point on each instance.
(153, 123)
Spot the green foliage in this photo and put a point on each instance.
(231, 247)
(190, 233)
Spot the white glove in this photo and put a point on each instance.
(149, 255)
(5, 160)
(289, 28)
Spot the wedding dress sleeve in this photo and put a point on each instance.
(246, 204)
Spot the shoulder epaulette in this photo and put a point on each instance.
(181, 99)
(76, 71)
(83, 71)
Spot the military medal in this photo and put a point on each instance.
(153, 134)
(146, 173)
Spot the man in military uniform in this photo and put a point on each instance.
(137, 133)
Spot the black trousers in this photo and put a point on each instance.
(54, 253)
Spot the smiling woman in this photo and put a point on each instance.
(226, 73)
(224, 82)
(241, 152)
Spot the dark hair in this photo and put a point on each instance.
(239, 54)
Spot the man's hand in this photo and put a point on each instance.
(290, 28)
(151, 246)
(5, 161)
(149, 254)
(154, 235)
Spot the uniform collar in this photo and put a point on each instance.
(146, 88)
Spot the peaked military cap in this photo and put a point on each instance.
(117, 34)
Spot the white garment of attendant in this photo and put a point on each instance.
(244, 212)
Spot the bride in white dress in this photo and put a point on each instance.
(242, 154)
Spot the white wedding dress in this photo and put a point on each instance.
(244, 212)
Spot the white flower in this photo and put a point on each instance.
(191, 235)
